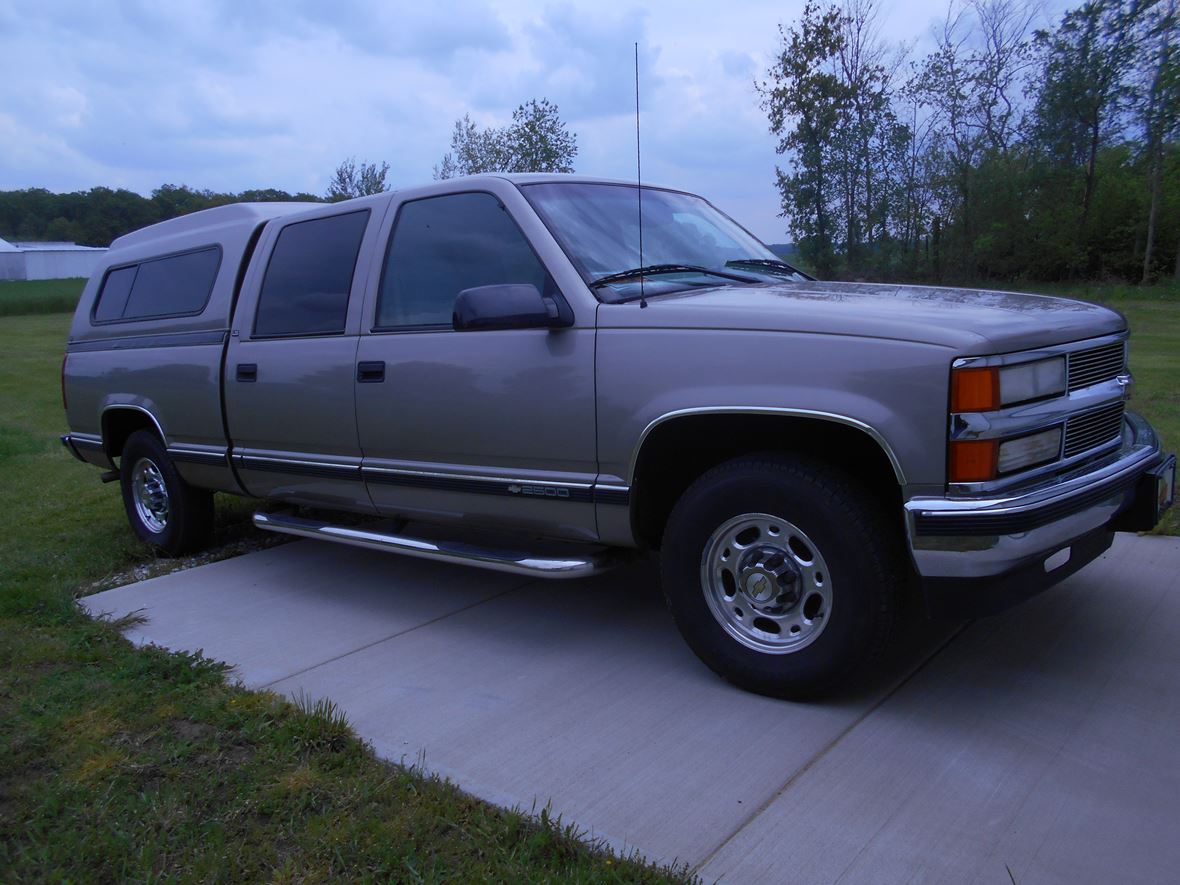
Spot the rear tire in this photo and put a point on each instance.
(781, 573)
(162, 508)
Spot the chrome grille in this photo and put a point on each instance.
(1092, 429)
(1097, 364)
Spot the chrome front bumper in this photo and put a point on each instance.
(994, 536)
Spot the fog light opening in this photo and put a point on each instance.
(1058, 559)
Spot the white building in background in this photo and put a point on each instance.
(47, 261)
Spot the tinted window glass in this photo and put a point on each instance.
(305, 291)
(179, 284)
(112, 301)
(444, 245)
(172, 286)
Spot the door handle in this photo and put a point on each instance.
(370, 372)
(247, 372)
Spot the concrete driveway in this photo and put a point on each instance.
(1044, 742)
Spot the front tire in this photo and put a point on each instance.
(781, 574)
(162, 508)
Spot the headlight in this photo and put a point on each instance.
(1026, 451)
(987, 388)
(982, 460)
(1032, 380)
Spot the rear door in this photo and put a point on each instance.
(291, 363)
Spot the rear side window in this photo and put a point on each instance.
(305, 291)
(176, 285)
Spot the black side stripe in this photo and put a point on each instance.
(186, 456)
(326, 471)
(137, 342)
(88, 444)
(507, 488)
(466, 485)
(616, 497)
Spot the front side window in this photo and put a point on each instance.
(305, 290)
(443, 245)
(176, 285)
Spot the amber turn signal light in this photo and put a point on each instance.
(975, 390)
(973, 460)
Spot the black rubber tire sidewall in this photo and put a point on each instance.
(846, 525)
(190, 517)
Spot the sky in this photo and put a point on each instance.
(237, 94)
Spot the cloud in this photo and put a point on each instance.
(585, 57)
(739, 64)
(236, 94)
(433, 33)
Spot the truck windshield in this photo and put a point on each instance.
(598, 227)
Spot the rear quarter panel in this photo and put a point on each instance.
(169, 367)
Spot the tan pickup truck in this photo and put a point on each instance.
(493, 373)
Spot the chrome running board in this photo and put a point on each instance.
(592, 562)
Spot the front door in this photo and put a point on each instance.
(491, 427)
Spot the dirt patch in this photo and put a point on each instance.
(192, 731)
(163, 566)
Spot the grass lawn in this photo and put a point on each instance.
(117, 763)
(23, 297)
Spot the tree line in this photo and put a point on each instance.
(537, 140)
(1006, 152)
(99, 215)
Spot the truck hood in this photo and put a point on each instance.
(973, 321)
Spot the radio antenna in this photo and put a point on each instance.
(639, 177)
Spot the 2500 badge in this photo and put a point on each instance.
(539, 491)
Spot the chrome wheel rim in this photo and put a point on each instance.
(150, 495)
(766, 583)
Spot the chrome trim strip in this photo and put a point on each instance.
(464, 483)
(765, 410)
(478, 478)
(513, 562)
(1029, 356)
(1020, 513)
(617, 496)
(297, 466)
(1034, 416)
(514, 488)
(297, 462)
(85, 441)
(72, 443)
(138, 342)
(212, 455)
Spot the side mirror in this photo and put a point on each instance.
(506, 306)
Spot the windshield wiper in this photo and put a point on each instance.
(655, 269)
(771, 264)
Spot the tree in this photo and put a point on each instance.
(1159, 109)
(536, 141)
(356, 180)
(804, 102)
(1082, 87)
(829, 99)
(944, 85)
(474, 151)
